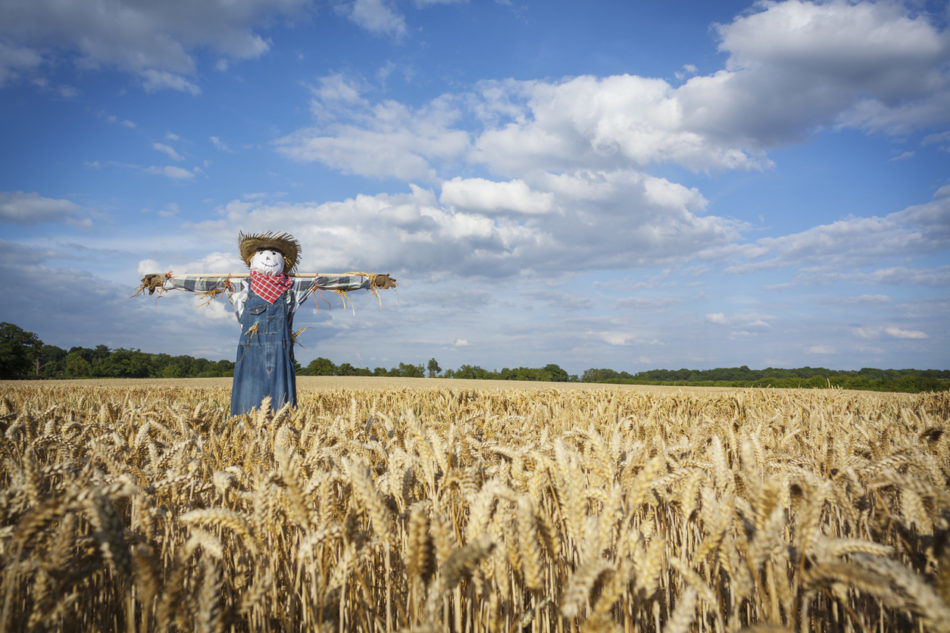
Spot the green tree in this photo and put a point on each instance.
(410, 371)
(76, 366)
(17, 350)
(48, 362)
(434, 368)
(173, 370)
(321, 367)
(555, 373)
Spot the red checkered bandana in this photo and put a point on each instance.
(269, 287)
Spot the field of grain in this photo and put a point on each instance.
(432, 505)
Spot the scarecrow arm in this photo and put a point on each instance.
(331, 282)
(304, 285)
(202, 284)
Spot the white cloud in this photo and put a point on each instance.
(20, 207)
(461, 342)
(820, 349)
(616, 338)
(858, 300)
(170, 211)
(857, 241)
(148, 267)
(608, 123)
(170, 171)
(16, 60)
(873, 332)
(478, 194)
(111, 118)
(376, 16)
(686, 71)
(866, 332)
(152, 39)
(414, 232)
(942, 139)
(901, 333)
(902, 275)
(871, 65)
(155, 80)
(336, 87)
(168, 151)
(938, 138)
(781, 58)
(385, 140)
(652, 219)
(219, 144)
(743, 320)
(902, 156)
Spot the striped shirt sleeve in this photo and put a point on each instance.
(235, 288)
(304, 287)
(204, 283)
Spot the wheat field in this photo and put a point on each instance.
(469, 507)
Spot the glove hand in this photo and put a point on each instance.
(384, 282)
(153, 282)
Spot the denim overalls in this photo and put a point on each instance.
(265, 356)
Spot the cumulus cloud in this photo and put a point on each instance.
(478, 194)
(376, 16)
(804, 64)
(858, 241)
(610, 122)
(484, 229)
(388, 139)
(30, 208)
(615, 338)
(147, 267)
(154, 40)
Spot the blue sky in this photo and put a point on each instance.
(629, 185)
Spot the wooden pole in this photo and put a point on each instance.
(243, 275)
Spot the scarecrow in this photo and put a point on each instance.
(264, 302)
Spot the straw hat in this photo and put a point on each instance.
(288, 246)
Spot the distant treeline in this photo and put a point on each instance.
(910, 380)
(326, 367)
(24, 355)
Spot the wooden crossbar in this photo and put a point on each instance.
(243, 275)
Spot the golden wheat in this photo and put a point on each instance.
(459, 506)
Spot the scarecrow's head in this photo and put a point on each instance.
(268, 261)
(270, 253)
